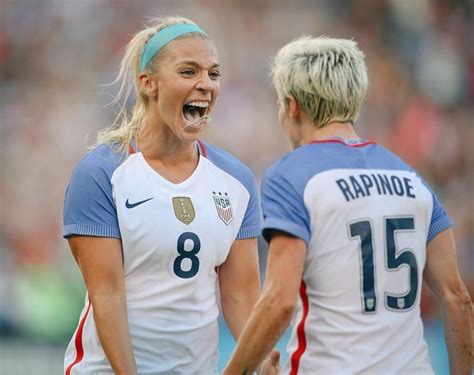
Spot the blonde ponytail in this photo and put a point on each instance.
(128, 124)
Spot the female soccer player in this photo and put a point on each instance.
(155, 219)
(353, 230)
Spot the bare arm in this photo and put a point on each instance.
(239, 282)
(100, 261)
(274, 309)
(442, 276)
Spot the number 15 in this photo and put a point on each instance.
(362, 231)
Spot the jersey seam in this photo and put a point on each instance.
(248, 232)
(91, 230)
(286, 226)
(437, 227)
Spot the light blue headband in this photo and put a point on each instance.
(163, 37)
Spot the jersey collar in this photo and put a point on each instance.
(359, 142)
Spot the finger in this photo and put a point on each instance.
(275, 357)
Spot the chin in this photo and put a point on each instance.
(190, 134)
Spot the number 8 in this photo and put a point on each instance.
(191, 255)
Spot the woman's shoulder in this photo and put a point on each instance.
(221, 157)
(103, 159)
(227, 162)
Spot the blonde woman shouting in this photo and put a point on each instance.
(155, 218)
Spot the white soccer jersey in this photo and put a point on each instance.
(366, 218)
(173, 237)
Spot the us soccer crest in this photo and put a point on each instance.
(223, 207)
(401, 303)
(183, 209)
(370, 304)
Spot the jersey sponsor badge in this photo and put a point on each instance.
(183, 209)
(223, 207)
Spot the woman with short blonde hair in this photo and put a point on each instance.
(353, 232)
(326, 76)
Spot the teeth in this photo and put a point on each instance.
(199, 104)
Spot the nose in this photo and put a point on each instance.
(204, 83)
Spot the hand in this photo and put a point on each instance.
(271, 364)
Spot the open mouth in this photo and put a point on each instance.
(194, 112)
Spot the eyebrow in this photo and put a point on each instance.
(194, 63)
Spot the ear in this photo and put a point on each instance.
(294, 108)
(148, 85)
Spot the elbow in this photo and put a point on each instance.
(458, 300)
(287, 309)
(466, 303)
(287, 312)
(281, 307)
(462, 298)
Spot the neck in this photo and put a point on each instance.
(159, 143)
(344, 130)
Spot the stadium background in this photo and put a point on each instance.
(55, 54)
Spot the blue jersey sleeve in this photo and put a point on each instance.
(251, 225)
(283, 207)
(440, 220)
(89, 208)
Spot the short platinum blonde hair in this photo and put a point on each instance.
(326, 76)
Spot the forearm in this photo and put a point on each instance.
(110, 316)
(458, 332)
(236, 310)
(239, 283)
(268, 322)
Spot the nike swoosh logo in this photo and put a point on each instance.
(132, 205)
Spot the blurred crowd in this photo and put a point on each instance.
(57, 57)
